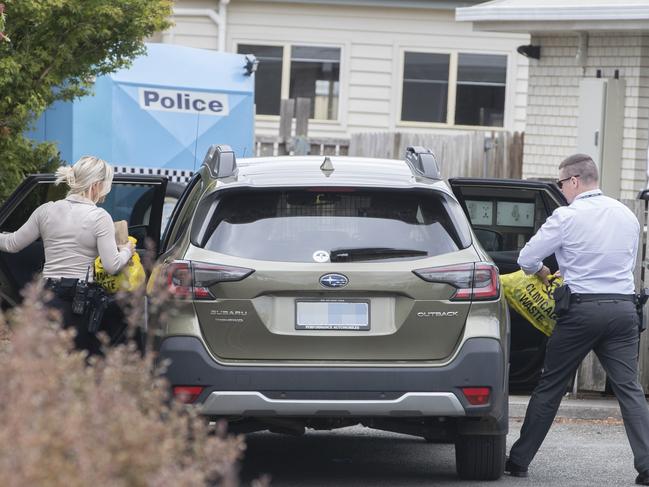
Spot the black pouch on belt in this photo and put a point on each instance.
(640, 300)
(98, 301)
(561, 297)
(80, 298)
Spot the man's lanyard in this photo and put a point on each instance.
(588, 196)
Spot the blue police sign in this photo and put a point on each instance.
(205, 103)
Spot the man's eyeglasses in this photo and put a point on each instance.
(560, 181)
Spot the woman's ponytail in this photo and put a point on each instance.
(65, 174)
(86, 171)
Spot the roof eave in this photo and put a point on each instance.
(500, 17)
(522, 26)
(502, 12)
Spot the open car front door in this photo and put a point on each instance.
(138, 199)
(504, 215)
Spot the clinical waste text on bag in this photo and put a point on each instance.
(129, 279)
(532, 299)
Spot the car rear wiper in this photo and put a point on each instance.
(353, 254)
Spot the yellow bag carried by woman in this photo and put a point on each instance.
(533, 300)
(130, 278)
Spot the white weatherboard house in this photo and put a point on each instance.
(367, 65)
(589, 88)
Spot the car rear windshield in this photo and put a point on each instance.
(303, 225)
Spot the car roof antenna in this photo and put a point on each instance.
(327, 167)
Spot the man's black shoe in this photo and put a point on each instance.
(642, 478)
(517, 471)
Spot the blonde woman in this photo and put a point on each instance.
(74, 232)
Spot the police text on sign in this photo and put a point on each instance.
(184, 101)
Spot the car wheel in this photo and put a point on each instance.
(480, 457)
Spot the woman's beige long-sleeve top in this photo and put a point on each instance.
(74, 232)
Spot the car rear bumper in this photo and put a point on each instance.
(242, 403)
(359, 391)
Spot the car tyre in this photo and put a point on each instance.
(480, 457)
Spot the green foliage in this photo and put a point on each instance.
(56, 49)
(20, 156)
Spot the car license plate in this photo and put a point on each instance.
(332, 315)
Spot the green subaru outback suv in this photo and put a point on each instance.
(322, 292)
(326, 292)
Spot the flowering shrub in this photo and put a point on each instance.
(107, 421)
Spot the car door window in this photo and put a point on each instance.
(18, 269)
(183, 212)
(505, 223)
(41, 193)
(504, 219)
(132, 202)
(136, 200)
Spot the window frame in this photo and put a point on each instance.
(184, 209)
(453, 67)
(286, 74)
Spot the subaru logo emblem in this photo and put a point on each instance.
(334, 280)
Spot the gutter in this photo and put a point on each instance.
(219, 18)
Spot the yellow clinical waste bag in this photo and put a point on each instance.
(532, 299)
(130, 278)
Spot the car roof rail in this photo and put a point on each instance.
(423, 161)
(220, 161)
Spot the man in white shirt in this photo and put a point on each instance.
(595, 241)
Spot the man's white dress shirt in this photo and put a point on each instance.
(74, 232)
(595, 240)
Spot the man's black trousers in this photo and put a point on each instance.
(610, 328)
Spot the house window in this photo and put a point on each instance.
(480, 98)
(478, 92)
(315, 74)
(268, 78)
(311, 72)
(425, 87)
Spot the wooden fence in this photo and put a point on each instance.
(471, 154)
(591, 375)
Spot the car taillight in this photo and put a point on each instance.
(478, 282)
(188, 279)
(187, 394)
(477, 396)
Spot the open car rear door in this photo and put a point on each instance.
(138, 199)
(504, 214)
